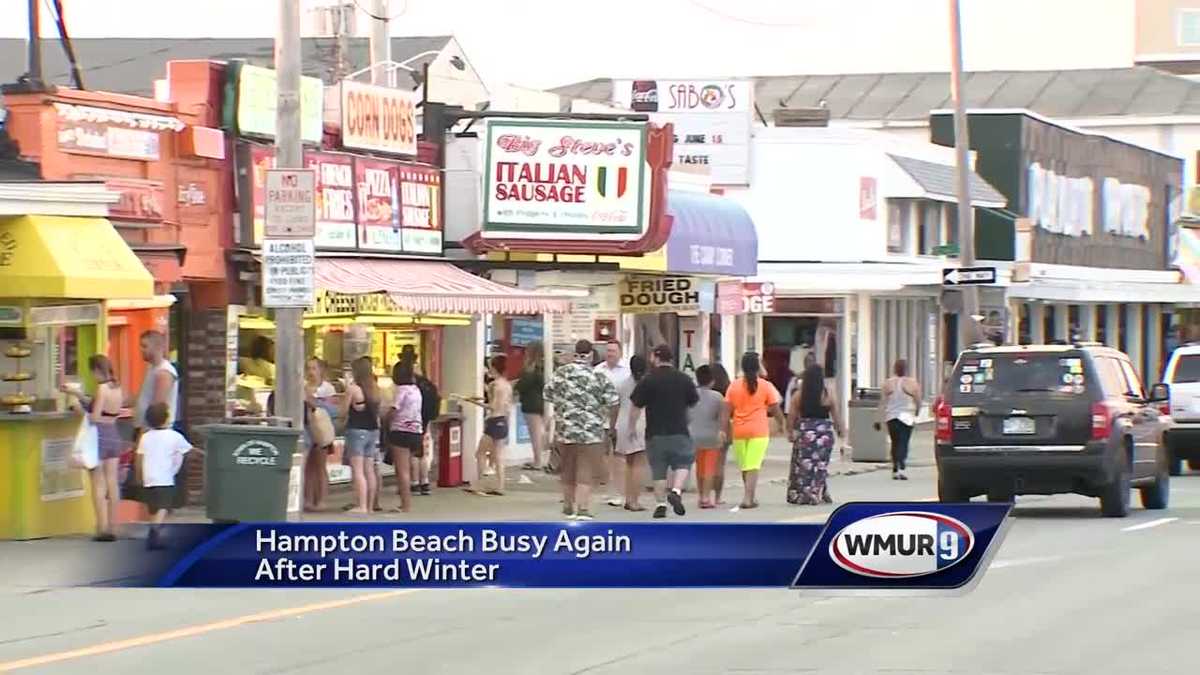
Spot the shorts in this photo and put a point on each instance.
(411, 441)
(708, 461)
(496, 428)
(362, 443)
(582, 463)
(159, 498)
(669, 452)
(750, 452)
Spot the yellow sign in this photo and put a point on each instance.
(655, 295)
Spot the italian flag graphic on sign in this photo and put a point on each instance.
(605, 179)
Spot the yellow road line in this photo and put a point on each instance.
(192, 631)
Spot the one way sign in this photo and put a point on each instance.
(962, 276)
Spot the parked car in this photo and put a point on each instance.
(1183, 438)
(1051, 419)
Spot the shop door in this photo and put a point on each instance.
(120, 352)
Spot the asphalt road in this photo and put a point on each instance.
(1069, 592)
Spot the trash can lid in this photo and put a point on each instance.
(257, 429)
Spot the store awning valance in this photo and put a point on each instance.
(65, 257)
(710, 235)
(431, 287)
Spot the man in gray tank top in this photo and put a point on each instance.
(161, 383)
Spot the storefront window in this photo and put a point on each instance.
(899, 223)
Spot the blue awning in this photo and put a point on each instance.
(710, 235)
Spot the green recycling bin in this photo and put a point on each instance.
(248, 467)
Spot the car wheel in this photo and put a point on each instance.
(951, 492)
(1156, 495)
(1193, 464)
(1114, 497)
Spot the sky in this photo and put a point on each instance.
(545, 43)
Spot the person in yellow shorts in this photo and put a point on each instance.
(748, 402)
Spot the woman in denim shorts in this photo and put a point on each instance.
(362, 433)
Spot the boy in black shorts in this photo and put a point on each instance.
(161, 452)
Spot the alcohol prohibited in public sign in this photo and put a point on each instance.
(962, 276)
(291, 208)
(287, 273)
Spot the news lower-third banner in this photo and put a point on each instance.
(871, 547)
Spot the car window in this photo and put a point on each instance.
(996, 375)
(1187, 369)
(1135, 382)
(1111, 376)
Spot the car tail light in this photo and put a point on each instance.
(1164, 408)
(1101, 422)
(941, 412)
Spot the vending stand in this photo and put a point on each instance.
(55, 274)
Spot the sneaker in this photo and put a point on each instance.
(895, 475)
(426, 489)
(584, 515)
(569, 512)
(616, 501)
(676, 501)
(901, 476)
(660, 511)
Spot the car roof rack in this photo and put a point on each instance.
(1088, 343)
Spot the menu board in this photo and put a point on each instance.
(378, 205)
(335, 199)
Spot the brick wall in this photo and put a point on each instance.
(205, 391)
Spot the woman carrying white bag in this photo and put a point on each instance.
(100, 445)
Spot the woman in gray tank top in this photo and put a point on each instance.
(899, 405)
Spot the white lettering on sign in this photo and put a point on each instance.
(652, 295)
(287, 273)
(256, 453)
(1126, 209)
(1060, 204)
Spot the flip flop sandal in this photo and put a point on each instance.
(637, 508)
(494, 493)
(530, 466)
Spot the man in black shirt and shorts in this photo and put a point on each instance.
(666, 395)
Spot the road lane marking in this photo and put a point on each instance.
(198, 629)
(1149, 524)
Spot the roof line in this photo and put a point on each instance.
(907, 95)
(1038, 95)
(1125, 108)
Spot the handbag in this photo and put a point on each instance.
(320, 428)
(86, 453)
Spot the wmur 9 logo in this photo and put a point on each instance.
(901, 545)
(904, 547)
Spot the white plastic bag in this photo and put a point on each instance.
(86, 454)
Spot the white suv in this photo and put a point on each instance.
(1183, 438)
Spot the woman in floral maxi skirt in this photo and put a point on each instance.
(813, 417)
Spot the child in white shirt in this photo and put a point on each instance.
(161, 452)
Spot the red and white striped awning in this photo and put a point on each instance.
(431, 287)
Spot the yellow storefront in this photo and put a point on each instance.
(55, 274)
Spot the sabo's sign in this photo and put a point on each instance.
(654, 295)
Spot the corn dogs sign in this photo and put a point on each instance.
(379, 119)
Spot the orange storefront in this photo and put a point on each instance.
(167, 163)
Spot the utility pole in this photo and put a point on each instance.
(289, 154)
(382, 72)
(968, 324)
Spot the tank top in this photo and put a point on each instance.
(899, 405)
(146, 394)
(365, 418)
(810, 406)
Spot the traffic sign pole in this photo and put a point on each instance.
(289, 343)
(968, 326)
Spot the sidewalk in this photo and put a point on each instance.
(531, 495)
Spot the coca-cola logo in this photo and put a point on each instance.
(519, 143)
